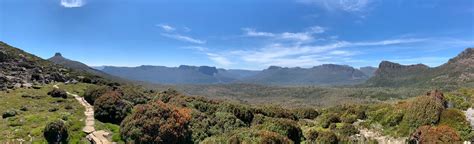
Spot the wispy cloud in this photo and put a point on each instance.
(183, 38)
(343, 5)
(72, 3)
(309, 55)
(166, 27)
(297, 36)
(197, 48)
(219, 59)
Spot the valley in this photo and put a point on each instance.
(104, 110)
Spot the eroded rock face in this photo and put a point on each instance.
(3, 56)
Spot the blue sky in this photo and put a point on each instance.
(244, 34)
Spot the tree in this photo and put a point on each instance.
(56, 132)
(110, 107)
(157, 122)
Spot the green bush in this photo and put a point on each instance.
(347, 130)
(284, 127)
(248, 136)
(328, 119)
(327, 137)
(224, 122)
(456, 119)
(348, 118)
(424, 110)
(275, 112)
(110, 107)
(393, 118)
(157, 122)
(94, 92)
(458, 101)
(311, 135)
(58, 93)
(56, 132)
(305, 113)
(242, 112)
(133, 94)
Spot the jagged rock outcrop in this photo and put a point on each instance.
(456, 72)
(21, 69)
(326, 74)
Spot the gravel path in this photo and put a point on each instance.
(470, 116)
(371, 134)
(96, 137)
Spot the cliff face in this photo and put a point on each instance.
(326, 74)
(457, 71)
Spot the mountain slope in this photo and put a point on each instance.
(456, 72)
(369, 71)
(78, 66)
(21, 69)
(327, 74)
(177, 75)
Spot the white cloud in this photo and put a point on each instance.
(183, 38)
(308, 55)
(72, 3)
(343, 5)
(298, 36)
(198, 48)
(167, 28)
(253, 32)
(317, 29)
(219, 59)
(186, 29)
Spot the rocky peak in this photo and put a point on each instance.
(274, 67)
(58, 54)
(335, 67)
(467, 56)
(395, 66)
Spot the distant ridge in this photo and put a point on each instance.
(457, 71)
(183, 74)
(78, 66)
(326, 74)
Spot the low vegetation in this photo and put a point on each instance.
(142, 116)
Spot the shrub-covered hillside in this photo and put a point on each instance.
(171, 117)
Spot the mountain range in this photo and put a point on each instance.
(327, 74)
(457, 71)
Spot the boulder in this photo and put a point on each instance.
(26, 85)
(10, 113)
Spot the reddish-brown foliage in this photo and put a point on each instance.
(440, 134)
(157, 122)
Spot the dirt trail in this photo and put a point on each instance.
(96, 137)
(470, 116)
(372, 134)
